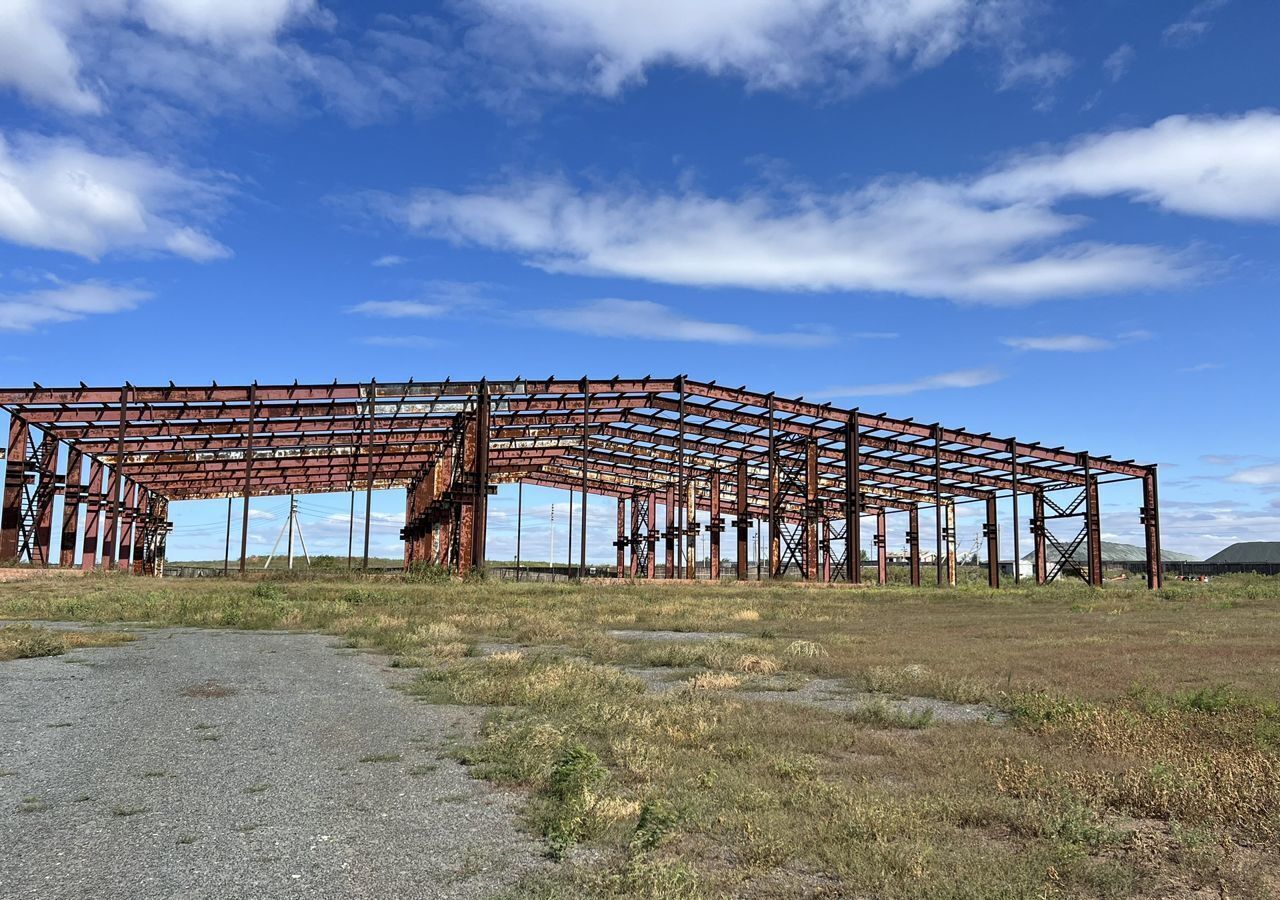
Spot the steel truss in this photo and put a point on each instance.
(808, 472)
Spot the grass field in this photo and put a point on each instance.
(1140, 756)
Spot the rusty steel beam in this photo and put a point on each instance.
(71, 497)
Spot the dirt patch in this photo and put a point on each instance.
(207, 690)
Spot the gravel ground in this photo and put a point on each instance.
(239, 764)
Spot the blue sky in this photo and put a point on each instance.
(1049, 219)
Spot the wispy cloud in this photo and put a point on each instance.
(386, 262)
(646, 320)
(1059, 343)
(1201, 367)
(1259, 476)
(994, 239)
(66, 303)
(435, 299)
(399, 309)
(1119, 61)
(1073, 343)
(962, 378)
(1194, 26)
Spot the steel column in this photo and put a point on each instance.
(913, 544)
(715, 525)
(882, 550)
(853, 500)
(680, 481)
(621, 543)
(1093, 527)
(812, 513)
(670, 534)
(991, 531)
(368, 485)
(689, 510)
(775, 556)
(46, 490)
(111, 522)
(1017, 524)
(636, 538)
(651, 537)
(248, 480)
(71, 507)
(129, 515)
(742, 519)
(938, 526)
(92, 516)
(586, 436)
(1038, 526)
(15, 481)
(1150, 519)
(950, 536)
(824, 547)
(480, 505)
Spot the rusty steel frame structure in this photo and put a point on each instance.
(810, 473)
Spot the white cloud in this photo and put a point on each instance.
(46, 44)
(1222, 167)
(1117, 64)
(222, 21)
(1194, 26)
(996, 238)
(399, 309)
(36, 58)
(58, 195)
(920, 238)
(1202, 367)
(646, 320)
(1257, 475)
(1062, 343)
(65, 303)
(963, 378)
(386, 262)
(608, 44)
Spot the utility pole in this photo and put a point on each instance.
(288, 527)
(293, 514)
(551, 559)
